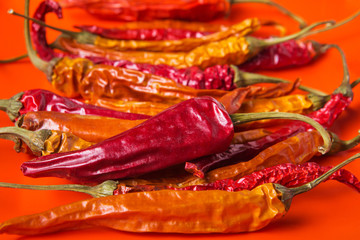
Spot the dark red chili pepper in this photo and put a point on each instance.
(189, 130)
(287, 54)
(287, 174)
(42, 100)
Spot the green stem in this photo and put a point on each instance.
(355, 83)
(339, 145)
(38, 63)
(104, 189)
(240, 118)
(263, 43)
(81, 37)
(12, 106)
(345, 88)
(242, 79)
(298, 19)
(33, 139)
(336, 25)
(289, 193)
(14, 59)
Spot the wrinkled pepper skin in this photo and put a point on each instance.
(297, 150)
(191, 129)
(166, 211)
(147, 10)
(287, 174)
(149, 34)
(291, 53)
(183, 45)
(60, 142)
(233, 50)
(90, 128)
(35, 100)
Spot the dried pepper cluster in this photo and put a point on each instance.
(176, 100)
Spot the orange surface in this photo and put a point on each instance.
(331, 211)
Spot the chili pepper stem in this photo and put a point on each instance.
(355, 83)
(240, 118)
(81, 37)
(33, 139)
(242, 79)
(263, 43)
(43, 66)
(298, 19)
(343, 145)
(12, 106)
(335, 25)
(104, 189)
(289, 193)
(14, 59)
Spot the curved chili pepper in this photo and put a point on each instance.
(44, 141)
(90, 128)
(286, 174)
(205, 127)
(42, 100)
(144, 10)
(175, 211)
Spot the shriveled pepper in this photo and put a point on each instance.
(44, 141)
(42, 100)
(170, 211)
(205, 128)
(140, 10)
(234, 50)
(90, 128)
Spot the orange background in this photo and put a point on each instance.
(330, 211)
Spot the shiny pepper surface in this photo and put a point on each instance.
(191, 129)
(166, 211)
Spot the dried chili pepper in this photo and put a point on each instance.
(338, 101)
(193, 10)
(205, 127)
(44, 141)
(286, 174)
(42, 100)
(234, 50)
(90, 128)
(170, 210)
(178, 45)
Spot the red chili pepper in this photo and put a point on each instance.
(189, 130)
(287, 174)
(287, 54)
(145, 10)
(42, 100)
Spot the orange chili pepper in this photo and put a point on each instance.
(89, 128)
(212, 211)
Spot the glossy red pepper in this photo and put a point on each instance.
(42, 100)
